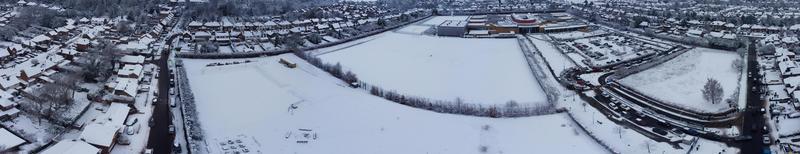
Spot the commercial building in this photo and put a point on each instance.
(455, 28)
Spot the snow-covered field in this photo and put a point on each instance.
(480, 71)
(414, 29)
(256, 100)
(680, 80)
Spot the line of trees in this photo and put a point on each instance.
(187, 101)
(457, 106)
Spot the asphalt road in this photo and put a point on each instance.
(160, 140)
(751, 115)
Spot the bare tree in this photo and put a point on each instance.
(712, 91)
(737, 64)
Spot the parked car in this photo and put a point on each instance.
(625, 107)
(172, 104)
(151, 123)
(123, 140)
(172, 129)
(767, 140)
(742, 138)
(659, 131)
(155, 100)
(176, 147)
(148, 151)
(794, 115)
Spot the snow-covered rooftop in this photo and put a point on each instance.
(99, 134)
(8, 140)
(71, 146)
(132, 59)
(129, 70)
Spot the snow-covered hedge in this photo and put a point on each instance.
(189, 109)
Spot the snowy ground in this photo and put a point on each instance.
(480, 71)
(256, 100)
(557, 60)
(414, 29)
(39, 133)
(577, 34)
(680, 80)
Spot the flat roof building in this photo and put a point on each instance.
(455, 28)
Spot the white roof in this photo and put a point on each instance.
(71, 146)
(694, 32)
(795, 27)
(99, 134)
(130, 69)
(115, 114)
(8, 140)
(46, 60)
(67, 51)
(127, 85)
(729, 36)
(4, 52)
(479, 32)
(792, 83)
(195, 23)
(82, 41)
(788, 68)
(212, 24)
(40, 38)
(132, 59)
(716, 34)
(717, 23)
(789, 40)
(5, 101)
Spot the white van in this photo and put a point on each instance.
(794, 115)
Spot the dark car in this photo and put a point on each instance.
(176, 147)
(151, 123)
(659, 131)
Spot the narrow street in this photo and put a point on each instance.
(752, 117)
(160, 140)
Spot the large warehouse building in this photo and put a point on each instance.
(455, 28)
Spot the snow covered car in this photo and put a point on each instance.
(794, 115)
(171, 129)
